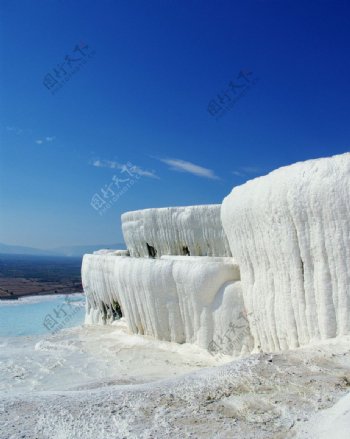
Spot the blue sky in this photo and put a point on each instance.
(138, 108)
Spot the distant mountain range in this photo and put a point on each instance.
(73, 250)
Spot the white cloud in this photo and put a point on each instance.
(251, 169)
(46, 139)
(116, 165)
(191, 168)
(16, 130)
(247, 171)
(144, 172)
(238, 173)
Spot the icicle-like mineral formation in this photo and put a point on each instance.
(289, 232)
(190, 230)
(181, 299)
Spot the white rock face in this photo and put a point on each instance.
(290, 234)
(191, 230)
(104, 251)
(190, 299)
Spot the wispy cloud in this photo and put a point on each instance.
(251, 169)
(16, 130)
(45, 139)
(19, 131)
(191, 168)
(116, 165)
(247, 171)
(238, 174)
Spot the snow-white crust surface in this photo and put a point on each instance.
(190, 230)
(190, 299)
(111, 252)
(103, 383)
(289, 232)
(333, 422)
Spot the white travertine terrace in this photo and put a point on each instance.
(190, 230)
(289, 232)
(111, 252)
(180, 299)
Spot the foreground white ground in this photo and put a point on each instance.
(91, 357)
(101, 383)
(334, 422)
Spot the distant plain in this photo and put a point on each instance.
(26, 275)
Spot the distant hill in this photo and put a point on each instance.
(21, 250)
(73, 250)
(79, 250)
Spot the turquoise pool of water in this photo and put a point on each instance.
(41, 314)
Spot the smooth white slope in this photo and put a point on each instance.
(289, 232)
(191, 299)
(331, 423)
(196, 230)
(82, 372)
